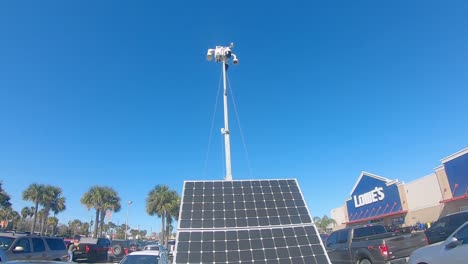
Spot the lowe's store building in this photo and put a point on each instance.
(375, 199)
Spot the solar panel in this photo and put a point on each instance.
(260, 221)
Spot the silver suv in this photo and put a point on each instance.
(22, 246)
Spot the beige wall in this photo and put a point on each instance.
(339, 215)
(403, 198)
(423, 193)
(423, 198)
(429, 214)
(454, 207)
(443, 183)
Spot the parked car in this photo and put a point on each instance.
(3, 257)
(153, 247)
(23, 246)
(171, 247)
(453, 250)
(36, 262)
(92, 249)
(145, 257)
(371, 244)
(119, 248)
(324, 237)
(442, 228)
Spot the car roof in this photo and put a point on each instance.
(146, 252)
(457, 213)
(35, 261)
(15, 234)
(460, 227)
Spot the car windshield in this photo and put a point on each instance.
(140, 259)
(5, 242)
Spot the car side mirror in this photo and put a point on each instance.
(453, 243)
(18, 249)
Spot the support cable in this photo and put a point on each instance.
(212, 125)
(246, 153)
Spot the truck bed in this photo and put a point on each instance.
(402, 245)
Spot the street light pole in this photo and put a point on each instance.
(223, 54)
(126, 221)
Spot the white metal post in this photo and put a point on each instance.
(223, 54)
(126, 220)
(225, 130)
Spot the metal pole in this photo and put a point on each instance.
(223, 54)
(126, 220)
(225, 130)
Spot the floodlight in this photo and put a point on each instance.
(209, 54)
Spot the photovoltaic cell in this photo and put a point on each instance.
(240, 204)
(248, 221)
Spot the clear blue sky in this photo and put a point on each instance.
(119, 94)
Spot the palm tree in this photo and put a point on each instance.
(4, 198)
(84, 228)
(94, 198)
(52, 200)
(164, 203)
(15, 217)
(324, 222)
(173, 213)
(34, 193)
(53, 222)
(4, 217)
(25, 212)
(75, 226)
(101, 199)
(58, 205)
(111, 203)
(112, 227)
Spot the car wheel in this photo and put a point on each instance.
(118, 250)
(365, 261)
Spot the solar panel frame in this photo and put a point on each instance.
(239, 204)
(260, 221)
(274, 245)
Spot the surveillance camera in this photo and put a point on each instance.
(234, 59)
(227, 53)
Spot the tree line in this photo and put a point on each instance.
(161, 201)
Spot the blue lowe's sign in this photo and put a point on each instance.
(457, 175)
(373, 197)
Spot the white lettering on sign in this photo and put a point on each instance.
(373, 196)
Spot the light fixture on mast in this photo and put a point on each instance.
(223, 54)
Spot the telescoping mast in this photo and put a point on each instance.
(223, 54)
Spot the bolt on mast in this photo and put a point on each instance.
(223, 54)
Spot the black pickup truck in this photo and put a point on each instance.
(92, 249)
(372, 244)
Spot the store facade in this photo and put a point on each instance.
(376, 199)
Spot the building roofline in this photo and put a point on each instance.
(455, 155)
(387, 181)
(421, 178)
